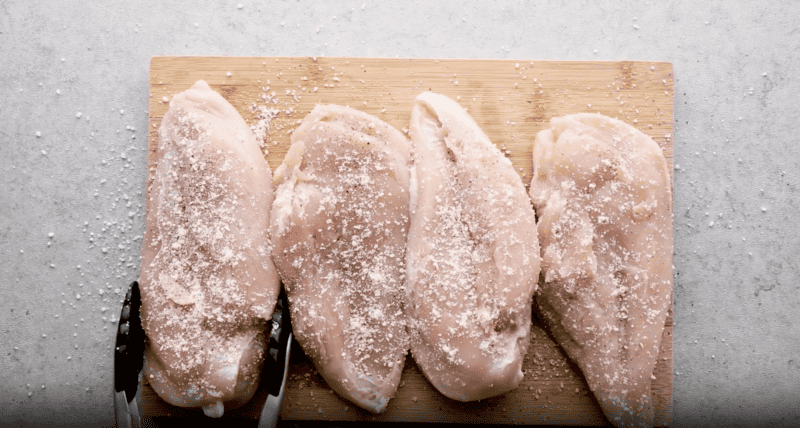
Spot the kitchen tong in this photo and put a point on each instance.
(129, 359)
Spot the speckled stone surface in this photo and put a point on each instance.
(73, 97)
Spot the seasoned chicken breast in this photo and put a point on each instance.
(207, 281)
(473, 256)
(340, 221)
(602, 192)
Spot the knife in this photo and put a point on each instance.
(277, 361)
(129, 359)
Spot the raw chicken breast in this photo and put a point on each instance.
(602, 193)
(472, 259)
(340, 221)
(207, 281)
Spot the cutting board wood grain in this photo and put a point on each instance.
(511, 100)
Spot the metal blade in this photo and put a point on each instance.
(272, 407)
(276, 365)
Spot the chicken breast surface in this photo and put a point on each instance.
(340, 221)
(207, 281)
(602, 192)
(472, 259)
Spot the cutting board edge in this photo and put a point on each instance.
(669, 112)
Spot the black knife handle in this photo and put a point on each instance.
(129, 350)
(279, 329)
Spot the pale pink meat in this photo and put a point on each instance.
(340, 221)
(602, 193)
(207, 281)
(472, 259)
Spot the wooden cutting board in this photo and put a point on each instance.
(511, 100)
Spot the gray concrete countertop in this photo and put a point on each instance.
(74, 94)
